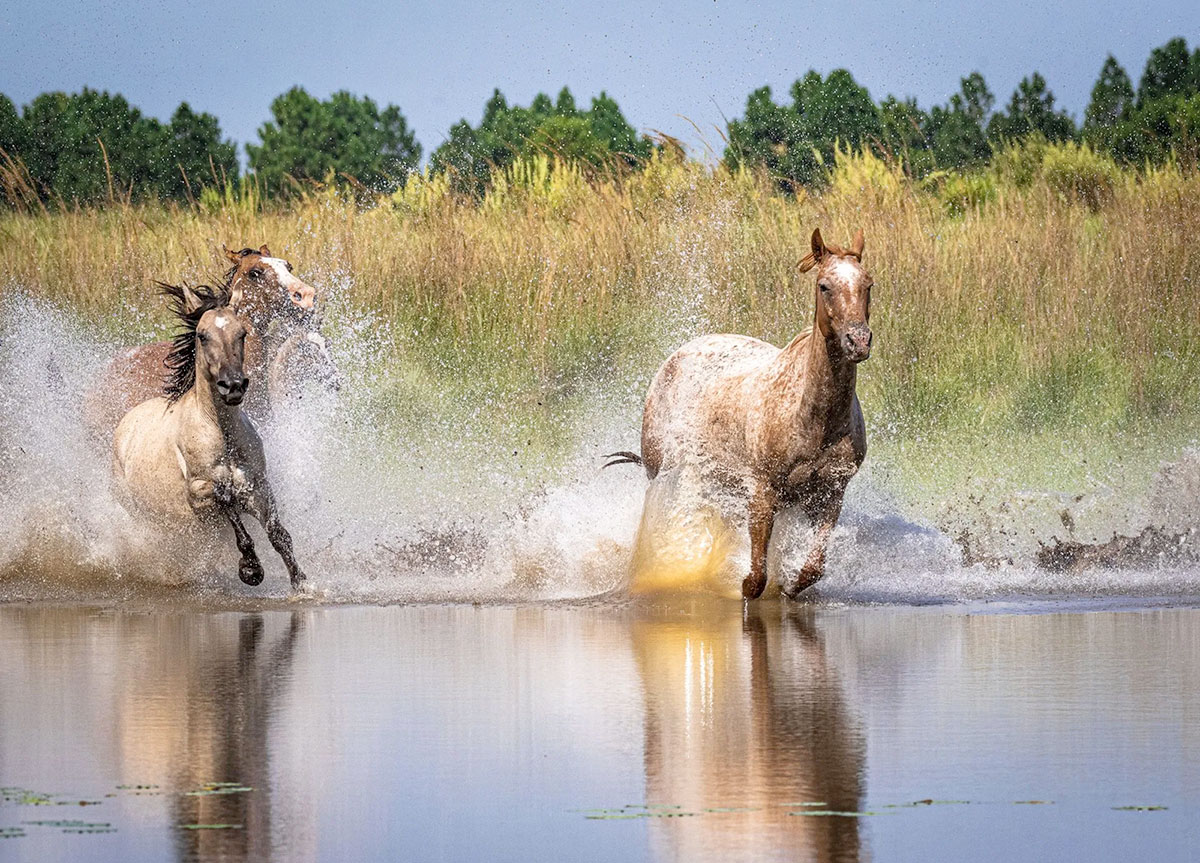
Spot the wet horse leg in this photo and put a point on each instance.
(250, 570)
(763, 501)
(823, 511)
(264, 509)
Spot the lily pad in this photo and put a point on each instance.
(1139, 808)
(211, 827)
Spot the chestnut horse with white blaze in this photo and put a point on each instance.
(191, 458)
(783, 425)
(261, 287)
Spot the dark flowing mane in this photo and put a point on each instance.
(181, 361)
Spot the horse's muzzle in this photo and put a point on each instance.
(857, 342)
(232, 390)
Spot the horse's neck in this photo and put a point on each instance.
(203, 401)
(813, 383)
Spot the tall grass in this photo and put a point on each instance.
(1038, 304)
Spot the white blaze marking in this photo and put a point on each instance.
(286, 279)
(846, 271)
(220, 321)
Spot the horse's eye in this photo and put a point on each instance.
(296, 296)
(824, 288)
(202, 336)
(289, 267)
(255, 273)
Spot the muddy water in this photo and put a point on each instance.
(600, 732)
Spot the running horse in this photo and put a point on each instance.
(191, 458)
(783, 425)
(270, 297)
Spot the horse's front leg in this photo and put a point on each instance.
(262, 504)
(763, 501)
(823, 511)
(250, 569)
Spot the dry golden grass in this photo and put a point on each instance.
(1030, 310)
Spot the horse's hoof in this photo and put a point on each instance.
(802, 583)
(298, 578)
(752, 587)
(250, 572)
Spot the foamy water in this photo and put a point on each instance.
(378, 515)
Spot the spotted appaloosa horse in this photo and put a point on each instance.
(263, 290)
(783, 425)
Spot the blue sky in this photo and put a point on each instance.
(662, 62)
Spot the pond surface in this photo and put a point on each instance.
(601, 732)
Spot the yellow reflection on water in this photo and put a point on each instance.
(684, 547)
(745, 723)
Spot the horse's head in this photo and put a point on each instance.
(264, 287)
(843, 295)
(210, 345)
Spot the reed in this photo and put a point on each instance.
(1036, 305)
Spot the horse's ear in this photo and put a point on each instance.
(264, 251)
(232, 256)
(814, 257)
(236, 294)
(856, 245)
(191, 300)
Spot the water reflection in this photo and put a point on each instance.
(744, 712)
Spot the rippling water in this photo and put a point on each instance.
(598, 732)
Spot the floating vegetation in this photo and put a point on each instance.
(11, 832)
(211, 827)
(837, 813)
(926, 802)
(25, 797)
(1033, 802)
(637, 810)
(212, 788)
(1139, 808)
(137, 787)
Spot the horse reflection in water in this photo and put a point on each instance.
(746, 714)
(204, 716)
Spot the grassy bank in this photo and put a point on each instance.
(1052, 300)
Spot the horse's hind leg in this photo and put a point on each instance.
(267, 513)
(763, 501)
(823, 512)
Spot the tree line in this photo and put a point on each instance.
(94, 146)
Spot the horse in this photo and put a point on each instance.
(191, 457)
(784, 424)
(264, 290)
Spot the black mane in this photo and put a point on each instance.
(181, 361)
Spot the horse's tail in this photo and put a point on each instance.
(623, 457)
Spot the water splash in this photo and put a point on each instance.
(385, 512)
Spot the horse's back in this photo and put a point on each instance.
(699, 394)
(135, 375)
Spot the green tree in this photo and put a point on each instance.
(903, 134)
(345, 138)
(795, 142)
(12, 128)
(1112, 98)
(599, 137)
(956, 131)
(82, 146)
(1167, 73)
(1031, 109)
(192, 148)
